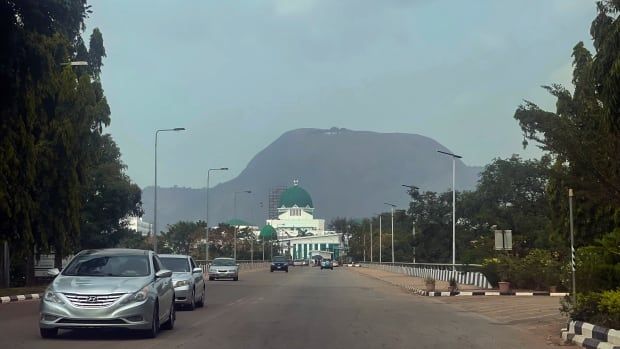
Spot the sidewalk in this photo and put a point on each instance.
(538, 316)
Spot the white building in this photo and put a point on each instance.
(140, 226)
(302, 236)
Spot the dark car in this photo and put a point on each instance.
(279, 263)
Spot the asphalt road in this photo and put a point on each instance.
(305, 308)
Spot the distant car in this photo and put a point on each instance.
(305, 262)
(327, 264)
(224, 268)
(357, 264)
(109, 288)
(298, 263)
(336, 264)
(279, 263)
(188, 279)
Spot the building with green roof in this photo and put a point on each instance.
(301, 236)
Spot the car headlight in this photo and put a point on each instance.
(181, 283)
(138, 296)
(52, 297)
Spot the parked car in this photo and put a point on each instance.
(327, 264)
(335, 263)
(279, 263)
(188, 279)
(305, 262)
(298, 262)
(224, 268)
(109, 288)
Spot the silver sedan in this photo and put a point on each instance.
(188, 279)
(109, 288)
(224, 268)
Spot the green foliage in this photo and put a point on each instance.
(181, 237)
(609, 307)
(61, 189)
(601, 309)
(538, 270)
(490, 269)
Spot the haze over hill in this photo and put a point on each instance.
(347, 173)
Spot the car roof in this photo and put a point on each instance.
(115, 252)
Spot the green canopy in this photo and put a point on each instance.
(267, 232)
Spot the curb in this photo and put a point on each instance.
(20, 297)
(591, 336)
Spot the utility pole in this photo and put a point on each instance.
(207, 220)
(572, 246)
(392, 211)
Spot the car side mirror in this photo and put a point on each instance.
(197, 270)
(53, 272)
(164, 273)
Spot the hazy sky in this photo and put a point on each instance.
(238, 74)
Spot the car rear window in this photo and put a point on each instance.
(279, 259)
(175, 264)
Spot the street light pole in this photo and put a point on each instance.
(392, 210)
(235, 217)
(207, 221)
(412, 188)
(572, 246)
(155, 196)
(454, 157)
(371, 240)
(380, 240)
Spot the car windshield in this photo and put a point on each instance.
(279, 259)
(224, 262)
(115, 265)
(175, 264)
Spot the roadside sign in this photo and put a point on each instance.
(503, 240)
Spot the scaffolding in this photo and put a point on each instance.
(274, 200)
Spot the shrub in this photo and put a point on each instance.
(601, 309)
(490, 269)
(538, 270)
(609, 308)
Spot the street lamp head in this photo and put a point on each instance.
(410, 186)
(450, 154)
(223, 169)
(387, 203)
(179, 129)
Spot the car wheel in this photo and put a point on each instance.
(192, 302)
(48, 332)
(236, 278)
(271, 270)
(152, 332)
(332, 268)
(286, 270)
(211, 278)
(201, 303)
(168, 325)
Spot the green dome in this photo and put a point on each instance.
(268, 232)
(295, 195)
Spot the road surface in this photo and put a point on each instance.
(305, 308)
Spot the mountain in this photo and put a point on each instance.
(347, 173)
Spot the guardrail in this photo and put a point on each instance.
(438, 271)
